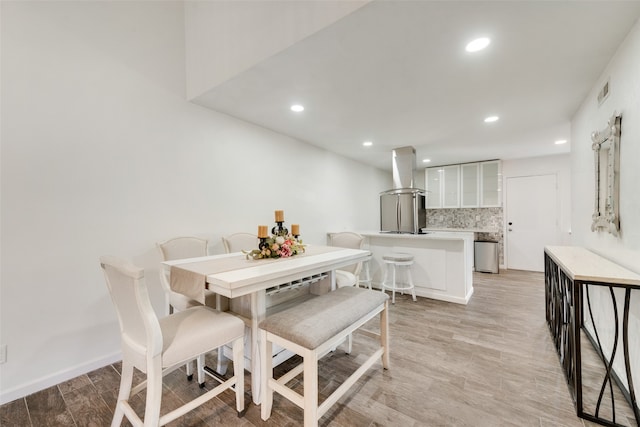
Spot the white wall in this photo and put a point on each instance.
(101, 154)
(623, 73)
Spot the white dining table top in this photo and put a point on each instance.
(233, 275)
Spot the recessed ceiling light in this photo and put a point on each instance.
(426, 160)
(477, 44)
(297, 108)
(561, 141)
(367, 143)
(491, 119)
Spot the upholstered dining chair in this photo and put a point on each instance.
(349, 275)
(179, 248)
(156, 347)
(240, 241)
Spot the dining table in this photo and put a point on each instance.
(235, 275)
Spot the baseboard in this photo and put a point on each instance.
(51, 380)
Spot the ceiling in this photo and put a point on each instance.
(396, 73)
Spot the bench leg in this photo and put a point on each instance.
(310, 388)
(267, 374)
(384, 334)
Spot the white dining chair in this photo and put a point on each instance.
(180, 248)
(349, 275)
(156, 347)
(240, 242)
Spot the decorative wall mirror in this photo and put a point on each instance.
(606, 149)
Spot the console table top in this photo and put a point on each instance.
(582, 264)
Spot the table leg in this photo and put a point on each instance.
(258, 313)
(332, 277)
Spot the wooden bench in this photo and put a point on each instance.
(311, 329)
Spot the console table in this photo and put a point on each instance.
(573, 277)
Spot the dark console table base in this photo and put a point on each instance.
(568, 298)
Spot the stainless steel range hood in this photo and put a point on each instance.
(404, 166)
(402, 209)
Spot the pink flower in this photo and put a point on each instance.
(285, 251)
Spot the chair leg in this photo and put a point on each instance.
(266, 375)
(189, 368)
(222, 364)
(384, 334)
(154, 393)
(393, 291)
(126, 381)
(200, 370)
(410, 278)
(384, 277)
(238, 373)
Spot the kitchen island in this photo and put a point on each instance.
(443, 262)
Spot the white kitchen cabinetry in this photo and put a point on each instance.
(444, 186)
(470, 185)
(490, 184)
(432, 183)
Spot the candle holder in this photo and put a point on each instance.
(263, 243)
(279, 229)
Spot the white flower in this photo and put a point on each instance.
(279, 240)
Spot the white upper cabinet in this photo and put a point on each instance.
(451, 187)
(443, 184)
(468, 185)
(433, 178)
(491, 184)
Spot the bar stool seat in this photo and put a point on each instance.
(392, 262)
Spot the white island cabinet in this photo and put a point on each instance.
(443, 262)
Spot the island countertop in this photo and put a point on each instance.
(431, 235)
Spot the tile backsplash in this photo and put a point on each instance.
(471, 218)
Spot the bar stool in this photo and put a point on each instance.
(392, 262)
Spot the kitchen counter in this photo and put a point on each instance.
(463, 230)
(443, 261)
(431, 235)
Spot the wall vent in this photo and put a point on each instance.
(604, 93)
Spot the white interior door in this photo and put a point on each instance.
(532, 220)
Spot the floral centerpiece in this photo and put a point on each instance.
(278, 246)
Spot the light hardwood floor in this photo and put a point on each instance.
(489, 363)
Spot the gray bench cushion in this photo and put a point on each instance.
(314, 322)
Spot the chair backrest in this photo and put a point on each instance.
(139, 326)
(178, 248)
(183, 247)
(346, 239)
(350, 240)
(240, 241)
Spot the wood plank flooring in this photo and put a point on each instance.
(490, 363)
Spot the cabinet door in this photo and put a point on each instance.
(433, 184)
(451, 186)
(490, 184)
(470, 185)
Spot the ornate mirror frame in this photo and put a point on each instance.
(606, 150)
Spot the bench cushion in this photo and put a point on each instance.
(314, 322)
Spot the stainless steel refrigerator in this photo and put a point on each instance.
(402, 211)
